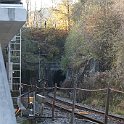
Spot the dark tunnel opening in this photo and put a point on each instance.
(58, 77)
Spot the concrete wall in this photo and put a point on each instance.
(7, 115)
(12, 18)
(10, 1)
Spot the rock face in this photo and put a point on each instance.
(10, 1)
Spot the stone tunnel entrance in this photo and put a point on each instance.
(58, 77)
(54, 74)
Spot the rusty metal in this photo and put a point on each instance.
(79, 115)
(53, 104)
(89, 109)
(74, 101)
(107, 105)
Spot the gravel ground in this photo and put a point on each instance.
(63, 118)
(60, 118)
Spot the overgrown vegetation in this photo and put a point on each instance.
(96, 35)
(44, 45)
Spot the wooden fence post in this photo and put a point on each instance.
(44, 88)
(30, 121)
(34, 100)
(74, 101)
(107, 105)
(28, 97)
(53, 105)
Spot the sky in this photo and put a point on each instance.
(39, 3)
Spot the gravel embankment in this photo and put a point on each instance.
(60, 118)
(63, 118)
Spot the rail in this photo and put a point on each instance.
(108, 91)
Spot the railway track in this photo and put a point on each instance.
(78, 114)
(81, 111)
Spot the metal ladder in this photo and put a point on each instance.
(14, 60)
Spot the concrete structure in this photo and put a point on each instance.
(10, 1)
(12, 18)
(6, 106)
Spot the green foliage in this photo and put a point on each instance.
(44, 45)
(76, 49)
(76, 12)
(29, 47)
(94, 36)
(119, 112)
(26, 122)
(60, 15)
(49, 41)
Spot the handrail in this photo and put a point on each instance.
(61, 88)
(26, 93)
(115, 90)
(91, 90)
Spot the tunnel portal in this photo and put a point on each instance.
(54, 74)
(58, 77)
